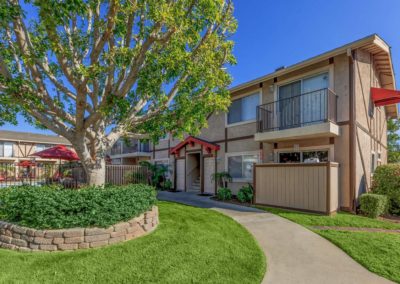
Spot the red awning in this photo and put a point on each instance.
(58, 152)
(384, 97)
(192, 140)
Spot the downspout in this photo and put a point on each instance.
(352, 129)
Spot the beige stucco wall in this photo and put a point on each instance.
(341, 86)
(371, 122)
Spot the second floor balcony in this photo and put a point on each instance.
(133, 148)
(312, 114)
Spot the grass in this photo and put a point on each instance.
(340, 219)
(376, 251)
(191, 245)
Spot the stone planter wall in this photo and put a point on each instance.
(26, 239)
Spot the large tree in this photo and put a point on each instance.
(393, 138)
(93, 71)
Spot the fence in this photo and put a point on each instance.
(310, 187)
(70, 175)
(124, 174)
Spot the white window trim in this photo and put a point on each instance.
(259, 91)
(232, 154)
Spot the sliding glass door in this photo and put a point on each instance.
(314, 100)
(303, 102)
(289, 105)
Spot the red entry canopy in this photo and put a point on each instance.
(384, 97)
(58, 152)
(192, 140)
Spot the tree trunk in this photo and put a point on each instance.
(96, 173)
(92, 159)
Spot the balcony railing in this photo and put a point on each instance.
(298, 111)
(133, 147)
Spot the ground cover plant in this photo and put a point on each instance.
(379, 252)
(190, 245)
(46, 207)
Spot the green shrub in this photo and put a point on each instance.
(386, 181)
(167, 184)
(373, 205)
(52, 208)
(245, 194)
(224, 194)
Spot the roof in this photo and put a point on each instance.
(16, 136)
(372, 43)
(192, 140)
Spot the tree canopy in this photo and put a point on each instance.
(93, 71)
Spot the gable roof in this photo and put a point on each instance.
(193, 140)
(16, 136)
(372, 43)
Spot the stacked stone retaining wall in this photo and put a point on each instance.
(26, 239)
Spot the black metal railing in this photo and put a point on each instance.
(136, 147)
(298, 111)
(70, 175)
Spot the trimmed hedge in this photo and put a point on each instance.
(373, 205)
(386, 181)
(44, 207)
(224, 194)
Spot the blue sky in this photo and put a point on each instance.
(277, 33)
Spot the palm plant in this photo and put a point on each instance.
(222, 178)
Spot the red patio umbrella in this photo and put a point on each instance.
(26, 164)
(58, 152)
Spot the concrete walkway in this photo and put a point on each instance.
(294, 254)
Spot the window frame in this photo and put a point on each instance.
(326, 69)
(12, 149)
(248, 153)
(247, 94)
(301, 151)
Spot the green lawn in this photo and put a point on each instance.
(378, 252)
(191, 245)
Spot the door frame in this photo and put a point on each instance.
(201, 164)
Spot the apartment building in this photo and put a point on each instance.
(17, 146)
(331, 108)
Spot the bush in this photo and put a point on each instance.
(373, 205)
(386, 181)
(224, 194)
(53, 208)
(245, 194)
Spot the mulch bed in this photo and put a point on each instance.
(232, 201)
(355, 229)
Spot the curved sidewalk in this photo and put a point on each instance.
(294, 254)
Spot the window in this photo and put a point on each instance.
(6, 149)
(241, 166)
(315, 157)
(40, 147)
(374, 163)
(304, 157)
(243, 109)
